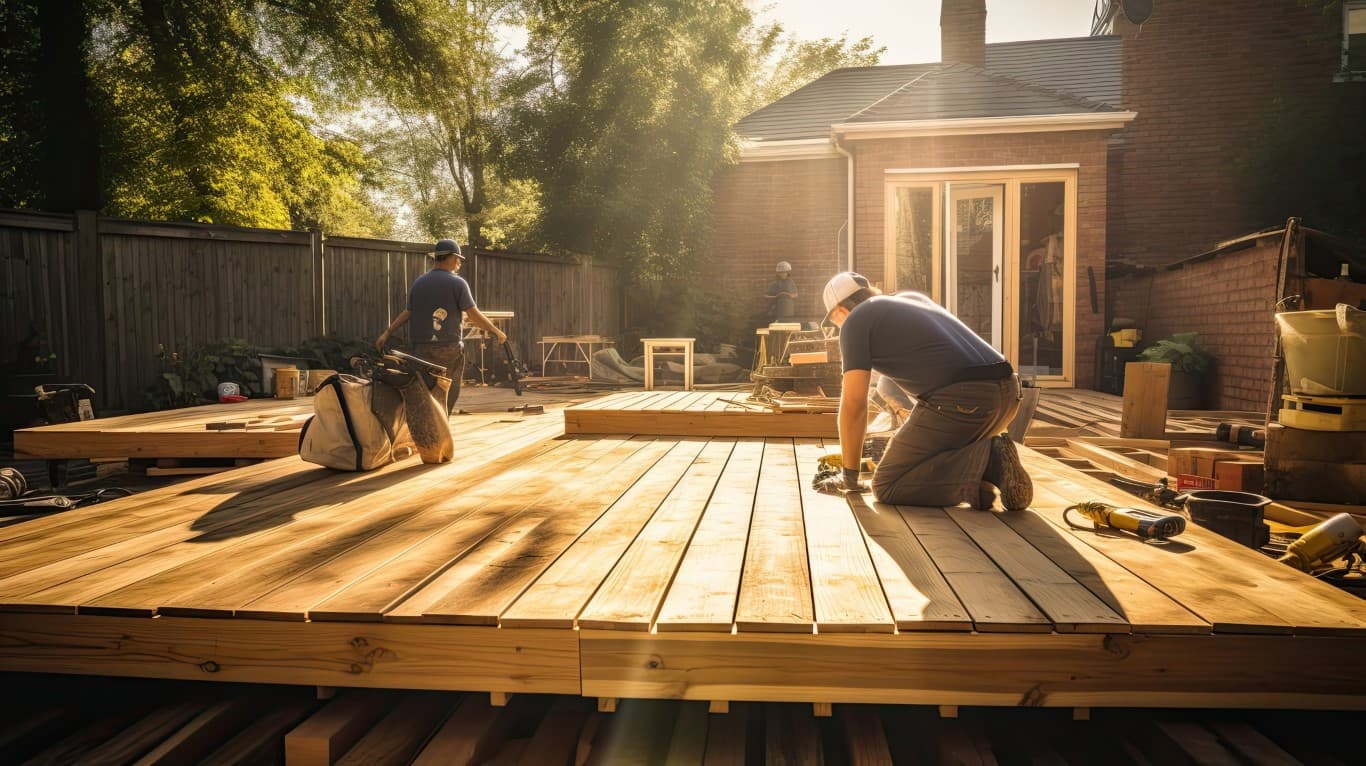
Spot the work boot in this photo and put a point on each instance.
(986, 495)
(1005, 470)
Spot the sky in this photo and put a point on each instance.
(910, 28)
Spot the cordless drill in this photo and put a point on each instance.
(1149, 525)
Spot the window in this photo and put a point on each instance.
(1354, 37)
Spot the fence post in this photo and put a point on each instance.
(317, 245)
(89, 365)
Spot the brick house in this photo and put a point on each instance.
(1003, 179)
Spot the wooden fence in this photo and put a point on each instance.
(106, 294)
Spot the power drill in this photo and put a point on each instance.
(1149, 525)
(1324, 544)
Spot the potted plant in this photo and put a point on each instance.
(1190, 364)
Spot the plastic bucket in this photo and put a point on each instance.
(1325, 351)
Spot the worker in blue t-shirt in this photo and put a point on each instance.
(436, 302)
(951, 448)
(782, 294)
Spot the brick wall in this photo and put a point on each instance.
(1204, 78)
(1088, 149)
(767, 212)
(1228, 300)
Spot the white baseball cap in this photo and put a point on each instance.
(839, 288)
(783, 267)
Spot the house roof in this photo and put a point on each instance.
(1034, 78)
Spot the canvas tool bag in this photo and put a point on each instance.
(357, 425)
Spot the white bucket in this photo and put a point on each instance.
(1325, 351)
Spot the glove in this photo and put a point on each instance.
(848, 481)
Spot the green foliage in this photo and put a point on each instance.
(193, 378)
(1181, 352)
(330, 352)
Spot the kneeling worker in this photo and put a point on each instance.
(437, 302)
(951, 448)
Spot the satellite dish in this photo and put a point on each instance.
(1137, 11)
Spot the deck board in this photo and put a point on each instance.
(775, 586)
(629, 597)
(686, 413)
(699, 567)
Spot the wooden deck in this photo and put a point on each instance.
(202, 432)
(625, 566)
(1079, 412)
(692, 413)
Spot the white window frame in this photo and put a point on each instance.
(1348, 72)
(1011, 177)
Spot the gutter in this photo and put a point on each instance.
(836, 141)
(982, 125)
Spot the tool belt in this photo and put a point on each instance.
(998, 371)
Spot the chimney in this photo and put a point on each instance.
(963, 32)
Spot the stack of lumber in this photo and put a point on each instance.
(809, 364)
(166, 723)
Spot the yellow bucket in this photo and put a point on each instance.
(1325, 351)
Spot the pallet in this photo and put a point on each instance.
(1324, 413)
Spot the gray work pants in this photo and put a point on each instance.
(940, 453)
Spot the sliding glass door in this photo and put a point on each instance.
(997, 249)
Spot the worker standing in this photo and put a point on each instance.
(437, 302)
(782, 294)
(951, 448)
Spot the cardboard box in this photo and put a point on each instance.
(1239, 475)
(1198, 461)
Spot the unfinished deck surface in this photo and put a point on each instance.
(185, 433)
(1079, 412)
(692, 567)
(693, 413)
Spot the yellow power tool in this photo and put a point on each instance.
(1325, 543)
(835, 462)
(1149, 525)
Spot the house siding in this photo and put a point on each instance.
(1087, 149)
(1205, 78)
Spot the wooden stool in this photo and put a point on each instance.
(667, 347)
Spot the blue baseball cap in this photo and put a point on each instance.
(447, 247)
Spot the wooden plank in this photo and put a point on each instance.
(637, 734)
(727, 737)
(475, 513)
(142, 736)
(629, 597)
(791, 737)
(375, 655)
(559, 596)
(217, 573)
(706, 585)
(382, 589)
(472, 734)
(161, 570)
(202, 734)
(1144, 413)
(1189, 742)
(687, 746)
(1124, 466)
(917, 593)
(845, 587)
(775, 587)
(972, 669)
(989, 594)
(261, 740)
(1147, 609)
(396, 738)
(329, 733)
(864, 741)
(1249, 744)
(1070, 606)
(480, 587)
(1233, 588)
(557, 733)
